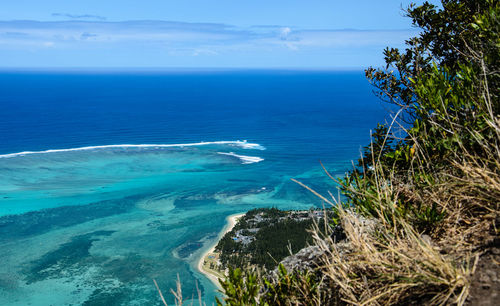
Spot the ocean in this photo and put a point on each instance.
(110, 179)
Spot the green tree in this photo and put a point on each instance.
(445, 84)
(442, 178)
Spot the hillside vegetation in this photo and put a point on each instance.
(422, 206)
(265, 236)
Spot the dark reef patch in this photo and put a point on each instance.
(14, 227)
(131, 267)
(162, 227)
(117, 296)
(188, 248)
(190, 203)
(67, 257)
(242, 180)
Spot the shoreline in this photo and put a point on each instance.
(230, 223)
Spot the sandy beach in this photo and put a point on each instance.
(231, 222)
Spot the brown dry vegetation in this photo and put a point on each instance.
(421, 213)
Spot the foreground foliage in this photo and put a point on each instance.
(432, 194)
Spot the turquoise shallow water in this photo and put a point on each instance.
(95, 226)
(135, 214)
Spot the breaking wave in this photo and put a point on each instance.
(239, 143)
(245, 159)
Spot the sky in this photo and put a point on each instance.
(308, 34)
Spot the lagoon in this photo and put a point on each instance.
(109, 180)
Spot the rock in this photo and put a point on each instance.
(485, 283)
(306, 259)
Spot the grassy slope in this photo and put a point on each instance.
(433, 196)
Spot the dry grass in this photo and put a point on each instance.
(419, 237)
(179, 299)
(385, 259)
(382, 264)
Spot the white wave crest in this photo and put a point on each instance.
(244, 159)
(240, 143)
(248, 145)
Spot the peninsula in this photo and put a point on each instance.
(208, 263)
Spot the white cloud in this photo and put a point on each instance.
(187, 34)
(284, 32)
(79, 16)
(94, 39)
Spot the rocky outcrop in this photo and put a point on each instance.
(306, 259)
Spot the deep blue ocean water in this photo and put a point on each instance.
(94, 226)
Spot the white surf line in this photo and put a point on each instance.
(241, 143)
(245, 159)
(248, 145)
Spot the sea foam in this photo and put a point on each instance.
(244, 159)
(239, 143)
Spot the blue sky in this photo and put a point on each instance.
(200, 33)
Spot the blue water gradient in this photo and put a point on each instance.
(95, 226)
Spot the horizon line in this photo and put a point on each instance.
(174, 69)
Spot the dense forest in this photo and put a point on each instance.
(266, 236)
